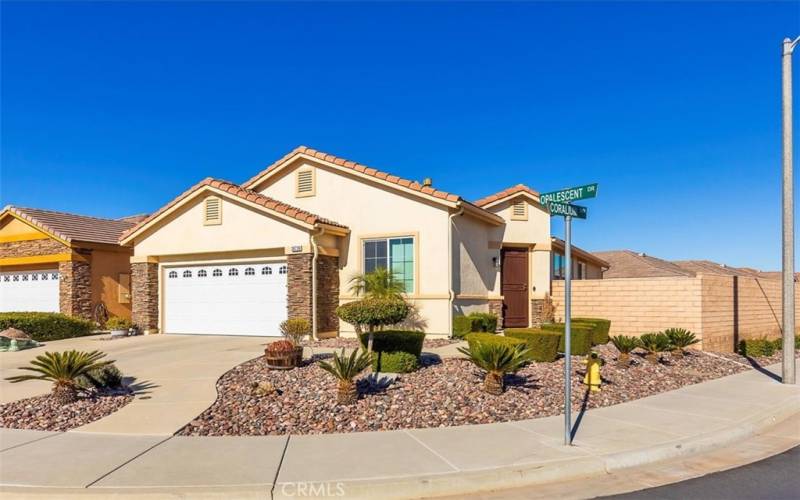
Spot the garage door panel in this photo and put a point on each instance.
(29, 291)
(239, 299)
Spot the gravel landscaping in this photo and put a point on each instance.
(42, 413)
(348, 343)
(442, 393)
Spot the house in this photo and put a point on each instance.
(223, 258)
(59, 262)
(585, 265)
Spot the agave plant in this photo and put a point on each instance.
(496, 360)
(625, 345)
(680, 339)
(654, 344)
(345, 368)
(64, 369)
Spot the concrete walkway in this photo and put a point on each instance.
(397, 464)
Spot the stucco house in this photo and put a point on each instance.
(223, 258)
(59, 262)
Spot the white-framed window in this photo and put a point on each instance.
(202, 273)
(217, 273)
(249, 271)
(395, 254)
(283, 270)
(266, 270)
(187, 274)
(173, 274)
(233, 272)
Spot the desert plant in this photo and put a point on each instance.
(379, 283)
(345, 368)
(680, 339)
(295, 329)
(280, 347)
(63, 369)
(625, 345)
(371, 313)
(394, 362)
(654, 344)
(496, 360)
(117, 323)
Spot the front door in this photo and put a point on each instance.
(514, 276)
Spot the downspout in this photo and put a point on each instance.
(315, 249)
(450, 293)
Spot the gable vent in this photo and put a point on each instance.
(305, 183)
(519, 210)
(213, 211)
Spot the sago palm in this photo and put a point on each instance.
(379, 283)
(680, 339)
(345, 368)
(496, 360)
(64, 369)
(654, 344)
(625, 345)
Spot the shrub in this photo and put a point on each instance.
(295, 329)
(757, 347)
(779, 343)
(280, 347)
(117, 323)
(394, 362)
(396, 340)
(373, 312)
(679, 339)
(344, 368)
(580, 341)
(625, 345)
(542, 344)
(462, 325)
(496, 360)
(43, 326)
(600, 329)
(103, 377)
(654, 344)
(483, 322)
(64, 370)
(489, 338)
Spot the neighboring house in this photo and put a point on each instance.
(59, 262)
(238, 259)
(585, 265)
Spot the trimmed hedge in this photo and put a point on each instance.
(394, 362)
(395, 340)
(543, 344)
(474, 322)
(373, 312)
(490, 338)
(580, 340)
(43, 327)
(757, 347)
(600, 329)
(462, 325)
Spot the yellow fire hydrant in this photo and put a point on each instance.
(592, 378)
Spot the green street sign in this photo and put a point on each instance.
(569, 194)
(566, 209)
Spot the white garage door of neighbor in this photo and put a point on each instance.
(239, 299)
(29, 291)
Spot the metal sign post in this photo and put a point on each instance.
(559, 203)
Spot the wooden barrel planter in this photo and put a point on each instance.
(284, 359)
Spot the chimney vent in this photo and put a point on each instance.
(427, 181)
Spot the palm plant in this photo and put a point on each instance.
(384, 302)
(345, 368)
(64, 369)
(379, 283)
(654, 343)
(625, 345)
(680, 339)
(496, 360)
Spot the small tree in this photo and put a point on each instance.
(379, 283)
(372, 313)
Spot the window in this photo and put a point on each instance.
(24, 277)
(305, 183)
(519, 210)
(233, 272)
(266, 270)
(394, 254)
(283, 270)
(580, 271)
(54, 276)
(212, 213)
(558, 266)
(44, 277)
(34, 277)
(249, 271)
(202, 273)
(187, 274)
(217, 272)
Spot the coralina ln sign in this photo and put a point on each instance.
(569, 194)
(566, 209)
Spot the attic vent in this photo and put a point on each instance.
(519, 210)
(305, 183)
(213, 211)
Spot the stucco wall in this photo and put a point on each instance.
(475, 274)
(106, 268)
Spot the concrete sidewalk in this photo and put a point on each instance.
(397, 464)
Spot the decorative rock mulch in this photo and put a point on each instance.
(442, 393)
(351, 343)
(42, 413)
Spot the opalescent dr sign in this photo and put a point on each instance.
(567, 209)
(569, 194)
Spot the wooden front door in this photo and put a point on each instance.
(514, 276)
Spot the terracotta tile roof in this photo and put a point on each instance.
(72, 227)
(629, 264)
(519, 188)
(416, 186)
(245, 194)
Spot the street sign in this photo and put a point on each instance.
(569, 194)
(567, 209)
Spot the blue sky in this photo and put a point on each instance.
(111, 109)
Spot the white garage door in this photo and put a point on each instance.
(29, 291)
(240, 299)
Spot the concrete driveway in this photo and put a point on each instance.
(174, 376)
